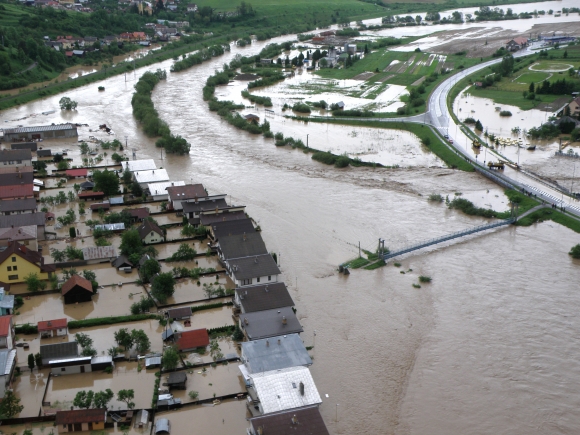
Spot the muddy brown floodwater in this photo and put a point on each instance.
(491, 343)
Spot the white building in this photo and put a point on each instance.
(159, 190)
(138, 165)
(281, 390)
(143, 178)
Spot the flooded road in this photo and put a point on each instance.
(489, 343)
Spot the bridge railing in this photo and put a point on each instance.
(447, 237)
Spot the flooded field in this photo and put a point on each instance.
(30, 387)
(228, 417)
(214, 382)
(63, 389)
(507, 317)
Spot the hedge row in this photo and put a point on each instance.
(210, 306)
(100, 321)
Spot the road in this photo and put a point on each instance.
(439, 116)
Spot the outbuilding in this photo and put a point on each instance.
(80, 420)
(176, 380)
(191, 340)
(77, 289)
(162, 426)
(53, 328)
(40, 132)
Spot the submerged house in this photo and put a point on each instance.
(53, 328)
(303, 421)
(274, 353)
(80, 420)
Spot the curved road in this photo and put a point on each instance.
(439, 116)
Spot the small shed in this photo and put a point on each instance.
(87, 185)
(152, 362)
(101, 362)
(105, 206)
(44, 153)
(121, 261)
(167, 334)
(77, 289)
(52, 328)
(179, 313)
(116, 200)
(138, 214)
(190, 340)
(141, 419)
(162, 426)
(176, 380)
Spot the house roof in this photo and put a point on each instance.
(16, 191)
(74, 281)
(189, 191)
(231, 228)
(200, 206)
(152, 176)
(146, 227)
(175, 313)
(139, 213)
(18, 205)
(270, 323)
(520, 40)
(242, 245)
(23, 219)
(251, 116)
(28, 232)
(98, 205)
(264, 297)
(275, 353)
(116, 200)
(39, 128)
(11, 155)
(209, 219)
(81, 416)
(16, 177)
(253, 267)
(303, 421)
(5, 322)
(44, 153)
(111, 227)
(177, 378)
(120, 261)
(91, 194)
(98, 252)
(161, 188)
(193, 339)
(51, 325)
(162, 425)
(58, 351)
(81, 172)
(87, 185)
(7, 358)
(280, 390)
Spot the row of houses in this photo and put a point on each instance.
(282, 396)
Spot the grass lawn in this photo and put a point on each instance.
(11, 15)
(531, 77)
(513, 98)
(553, 215)
(550, 65)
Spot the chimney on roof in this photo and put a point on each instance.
(284, 321)
(294, 418)
(302, 388)
(279, 342)
(49, 323)
(266, 289)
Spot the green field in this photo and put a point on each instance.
(10, 15)
(549, 65)
(531, 77)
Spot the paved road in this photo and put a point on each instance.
(439, 116)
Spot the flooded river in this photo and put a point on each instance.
(490, 343)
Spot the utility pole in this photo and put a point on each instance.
(359, 250)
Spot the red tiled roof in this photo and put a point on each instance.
(5, 326)
(521, 40)
(81, 172)
(81, 416)
(50, 325)
(193, 339)
(16, 191)
(91, 194)
(74, 281)
(27, 254)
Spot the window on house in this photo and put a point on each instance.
(258, 279)
(15, 268)
(12, 277)
(9, 268)
(63, 369)
(269, 277)
(18, 161)
(246, 281)
(14, 259)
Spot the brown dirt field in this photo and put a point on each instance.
(363, 76)
(476, 46)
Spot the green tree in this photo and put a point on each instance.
(149, 269)
(33, 283)
(124, 338)
(10, 405)
(478, 126)
(131, 242)
(84, 399)
(106, 181)
(170, 359)
(86, 343)
(127, 176)
(126, 396)
(163, 286)
(575, 251)
(142, 343)
(565, 54)
(117, 158)
(532, 87)
(102, 398)
(66, 103)
(30, 361)
(63, 165)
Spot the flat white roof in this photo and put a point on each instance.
(139, 165)
(153, 176)
(279, 390)
(161, 188)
